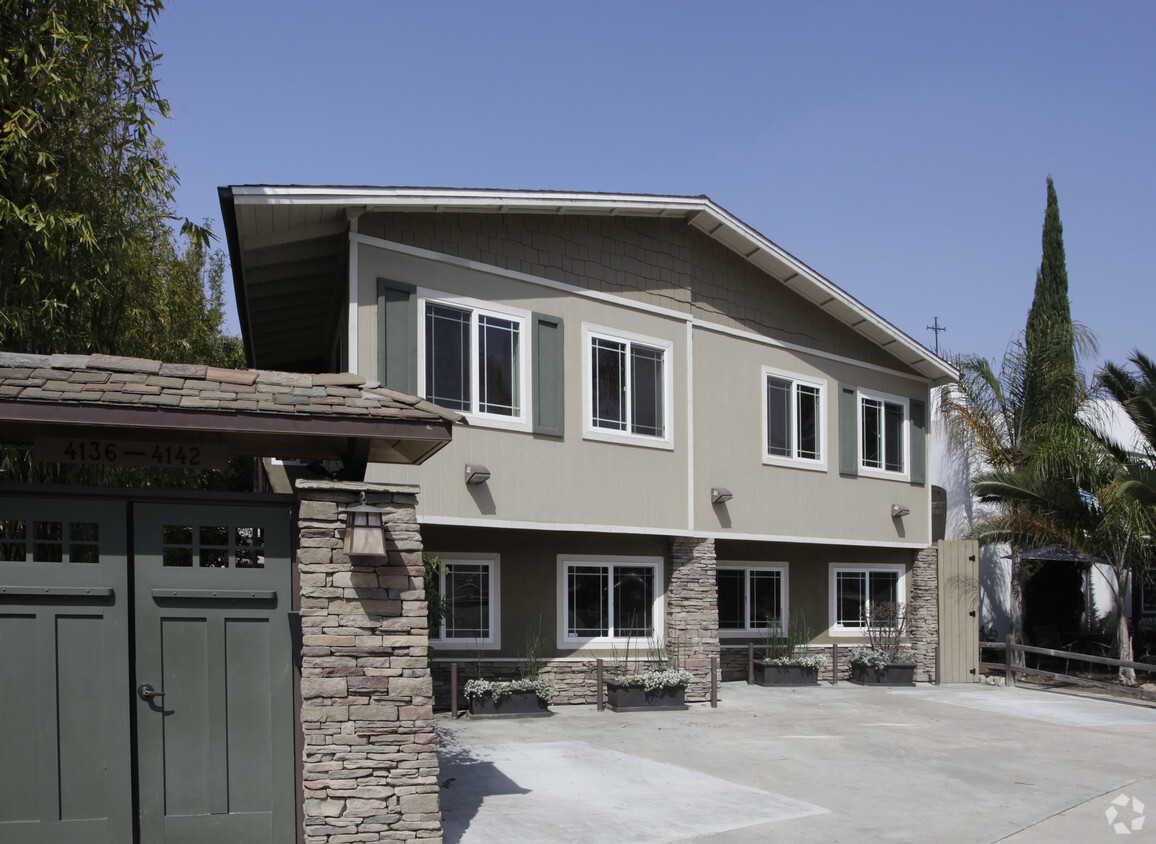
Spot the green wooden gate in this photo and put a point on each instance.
(159, 628)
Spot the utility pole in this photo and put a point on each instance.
(936, 327)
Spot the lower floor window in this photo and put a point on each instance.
(857, 591)
(604, 600)
(750, 598)
(467, 588)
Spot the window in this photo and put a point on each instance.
(609, 601)
(628, 388)
(750, 597)
(854, 589)
(474, 360)
(793, 416)
(883, 433)
(468, 585)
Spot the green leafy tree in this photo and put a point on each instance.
(83, 182)
(1051, 384)
(999, 417)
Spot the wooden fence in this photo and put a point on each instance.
(1010, 668)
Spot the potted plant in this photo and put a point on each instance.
(528, 696)
(885, 661)
(661, 687)
(786, 661)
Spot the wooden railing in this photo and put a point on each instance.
(1010, 668)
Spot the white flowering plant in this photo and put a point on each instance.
(498, 689)
(880, 659)
(817, 661)
(662, 678)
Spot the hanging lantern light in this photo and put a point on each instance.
(365, 530)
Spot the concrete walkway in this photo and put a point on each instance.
(825, 764)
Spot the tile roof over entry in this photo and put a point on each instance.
(325, 416)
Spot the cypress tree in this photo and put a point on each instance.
(1049, 337)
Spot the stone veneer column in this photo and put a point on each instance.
(370, 769)
(692, 610)
(923, 612)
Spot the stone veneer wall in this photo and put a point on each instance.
(370, 769)
(923, 612)
(692, 610)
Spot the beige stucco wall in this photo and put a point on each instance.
(729, 391)
(539, 480)
(664, 262)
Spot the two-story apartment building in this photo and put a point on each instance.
(676, 430)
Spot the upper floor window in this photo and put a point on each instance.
(628, 387)
(883, 433)
(751, 598)
(468, 585)
(474, 360)
(794, 419)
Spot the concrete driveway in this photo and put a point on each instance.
(826, 764)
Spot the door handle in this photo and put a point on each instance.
(146, 692)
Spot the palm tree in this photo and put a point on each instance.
(996, 418)
(1136, 393)
(1099, 521)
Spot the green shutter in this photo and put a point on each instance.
(918, 442)
(848, 430)
(549, 382)
(397, 335)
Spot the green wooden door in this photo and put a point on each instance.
(215, 752)
(65, 698)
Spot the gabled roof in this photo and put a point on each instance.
(249, 412)
(261, 221)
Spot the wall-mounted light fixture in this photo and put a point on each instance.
(719, 494)
(476, 473)
(365, 530)
(898, 510)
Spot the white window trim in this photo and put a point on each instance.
(832, 604)
(906, 435)
(522, 421)
(746, 567)
(819, 465)
(658, 608)
(494, 641)
(590, 432)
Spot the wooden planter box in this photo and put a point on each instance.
(769, 674)
(895, 674)
(524, 703)
(634, 698)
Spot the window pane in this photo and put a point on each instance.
(467, 589)
(778, 417)
(766, 598)
(731, 615)
(447, 356)
(633, 600)
(609, 387)
(872, 432)
(646, 378)
(13, 547)
(850, 592)
(498, 373)
(893, 436)
(883, 586)
(588, 601)
(808, 421)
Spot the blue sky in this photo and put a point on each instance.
(899, 148)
